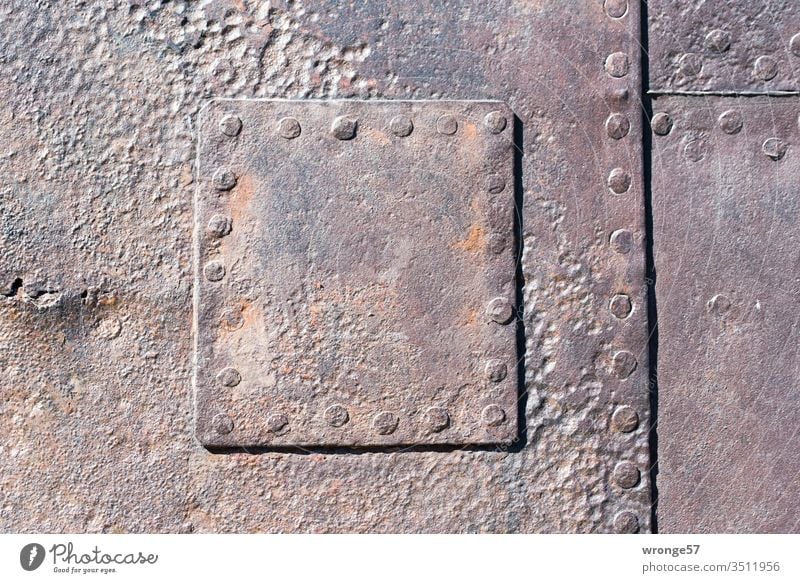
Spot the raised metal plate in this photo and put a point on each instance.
(353, 261)
(724, 46)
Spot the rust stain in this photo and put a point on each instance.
(475, 241)
(470, 131)
(241, 196)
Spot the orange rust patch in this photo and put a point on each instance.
(470, 131)
(475, 241)
(240, 197)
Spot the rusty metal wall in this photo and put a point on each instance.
(725, 231)
(99, 123)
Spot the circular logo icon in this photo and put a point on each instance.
(31, 556)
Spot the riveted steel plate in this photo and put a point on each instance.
(727, 232)
(724, 46)
(356, 273)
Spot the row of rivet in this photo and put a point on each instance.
(624, 419)
(499, 310)
(730, 122)
(436, 420)
(765, 67)
(345, 127)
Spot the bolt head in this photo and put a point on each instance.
(617, 65)
(336, 415)
(626, 475)
(497, 243)
(661, 124)
(623, 363)
(495, 121)
(214, 270)
(289, 128)
(219, 226)
(401, 126)
(447, 125)
(223, 179)
(222, 424)
(229, 377)
(775, 149)
(618, 126)
(719, 304)
(496, 370)
(232, 319)
(230, 125)
(695, 150)
(276, 422)
(385, 423)
(619, 181)
(621, 241)
(765, 68)
(718, 41)
(495, 183)
(620, 306)
(626, 522)
(616, 8)
(436, 419)
(691, 64)
(493, 416)
(625, 419)
(344, 128)
(794, 45)
(500, 310)
(731, 122)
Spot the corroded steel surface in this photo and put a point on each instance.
(724, 46)
(356, 275)
(727, 218)
(98, 119)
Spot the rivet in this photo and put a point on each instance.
(794, 45)
(436, 419)
(219, 225)
(336, 415)
(232, 319)
(775, 148)
(616, 8)
(623, 363)
(619, 181)
(718, 41)
(617, 65)
(344, 128)
(385, 422)
(222, 424)
(276, 422)
(621, 241)
(401, 126)
(223, 179)
(497, 243)
(625, 419)
(626, 522)
(493, 415)
(500, 310)
(691, 64)
(765, 68)
(719, 304)
(495, 183)
(731, 122)
(229, 377)
(214, 270)
(620, 306)
(447, 125)
(661, 124)
(495, 121)
(289, 128)
(695, 150)
(617, 126)
(626, 475)
(496, 370)
(230, 125)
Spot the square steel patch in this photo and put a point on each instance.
(355, 274)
